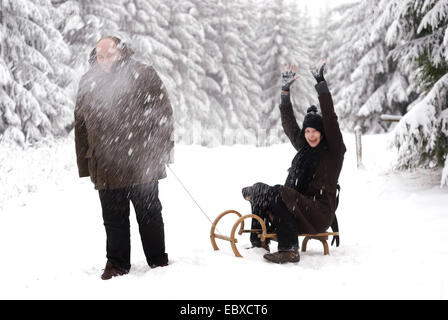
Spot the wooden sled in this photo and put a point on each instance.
(239, 224)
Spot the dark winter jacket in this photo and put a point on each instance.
(123, 124)
(315, 209)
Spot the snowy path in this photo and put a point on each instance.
(394, 230)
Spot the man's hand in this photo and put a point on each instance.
(318, 73)
(288, 77)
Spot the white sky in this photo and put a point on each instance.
(314, 6)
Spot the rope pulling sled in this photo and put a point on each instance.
(262, 233)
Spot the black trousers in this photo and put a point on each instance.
(266, 200)
(148, 209)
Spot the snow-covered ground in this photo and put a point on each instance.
(394, 230)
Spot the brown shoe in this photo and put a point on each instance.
(283, 256)
(111, 271)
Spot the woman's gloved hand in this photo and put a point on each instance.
(289, 75)
(318, 73)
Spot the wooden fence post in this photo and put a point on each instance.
(358, 146)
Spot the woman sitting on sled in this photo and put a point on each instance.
(306, 203)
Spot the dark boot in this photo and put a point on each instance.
(254, 239)
(111, 271)
(264, 245)
(159, 264)
(283, 256)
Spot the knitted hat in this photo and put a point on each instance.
(313, 119)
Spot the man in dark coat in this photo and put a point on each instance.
(306, 203)
(123, 129)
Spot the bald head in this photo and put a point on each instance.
(107, 53)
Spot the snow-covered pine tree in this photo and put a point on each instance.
(34, 58)
(197, 117)
(249, 110)
(214, 72)
(8, 117)
(420, 32)
(101, 19)
(323, 34)
(345, 18)
(239, 47)
(238, 81)
(147, 28)
(88, 22)
(281, 42)
(368, 81)
(69, 23)
(218, 56)
(147, 24)
(215, 81)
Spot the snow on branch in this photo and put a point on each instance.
(434, 16)
(422, 127)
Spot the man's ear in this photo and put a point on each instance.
(125, 51)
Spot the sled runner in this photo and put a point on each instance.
(262, 233)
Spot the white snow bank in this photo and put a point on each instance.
(393, 230)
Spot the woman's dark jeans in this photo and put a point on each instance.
(265, 199)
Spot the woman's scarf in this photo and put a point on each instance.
(304, 166)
